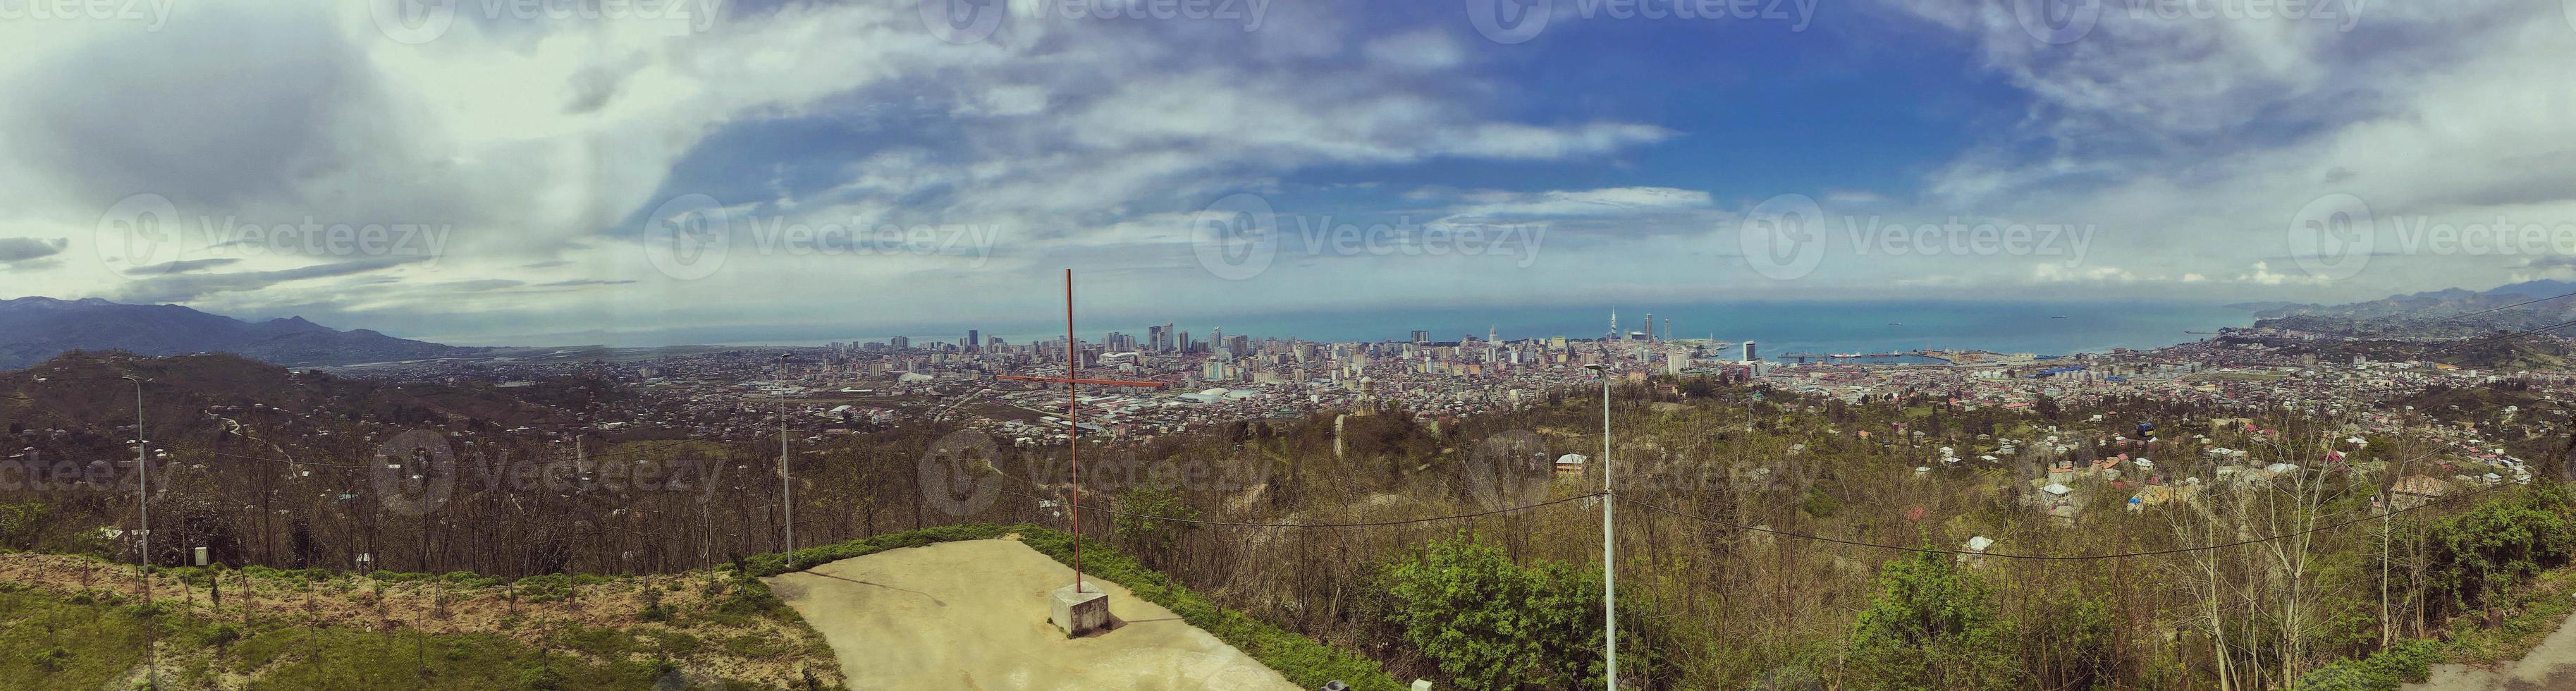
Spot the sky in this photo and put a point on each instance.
(634, 173)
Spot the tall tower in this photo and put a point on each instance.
(1614, 322)
(1489, 334)
(1650, 326)
(1668, 327)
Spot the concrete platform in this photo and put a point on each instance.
(968, 615)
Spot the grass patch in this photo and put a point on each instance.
(58, 644)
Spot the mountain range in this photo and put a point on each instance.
(33, 329)
(2437, 313)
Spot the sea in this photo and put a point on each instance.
(1780, 328)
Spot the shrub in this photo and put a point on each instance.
(1493, 624)
(2391, 668)
(1931, 627)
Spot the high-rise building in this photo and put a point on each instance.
(1650, 326)
(1181, 342)
(900, 342)
(1421, 336)
(974, 340)
(1749, 354)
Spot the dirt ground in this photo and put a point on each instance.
(2552, 665)
(972, 615)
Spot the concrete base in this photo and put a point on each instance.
(1079, 614)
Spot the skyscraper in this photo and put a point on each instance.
(974, 340)
(1650, 326)
(1421, 336)
(1749, 354)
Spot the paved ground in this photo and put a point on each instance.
(2550, 666)
(972, 615)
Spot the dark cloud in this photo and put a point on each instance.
(108, 117)
(483, 284)
(179, 267)
(14, 250)
(183, 287)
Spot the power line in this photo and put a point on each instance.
(1369, 524)
(2043, 557)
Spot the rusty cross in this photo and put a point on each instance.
(1073, 382)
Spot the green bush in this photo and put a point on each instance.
(1492, 624)
(1931, 627)
(2489, 549)
(2407, 662)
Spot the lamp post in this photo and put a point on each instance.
(143, 508)
(143, 487)
(1609, 579)
(786, 491)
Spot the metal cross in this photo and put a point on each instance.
(1072, 418)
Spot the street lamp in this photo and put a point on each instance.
(786, 491)
(142, 488)
(143, 507)
(1609, 580)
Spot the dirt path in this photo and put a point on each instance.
(2552, 665)
(972, 615)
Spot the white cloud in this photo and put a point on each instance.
(538, 143)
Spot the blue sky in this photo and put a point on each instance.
(534, 173)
